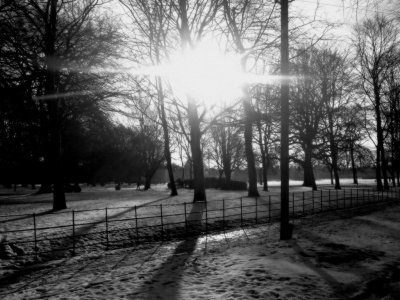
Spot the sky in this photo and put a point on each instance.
(345, 14)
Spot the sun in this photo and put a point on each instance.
(206, 74)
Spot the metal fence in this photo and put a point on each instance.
(77, 231)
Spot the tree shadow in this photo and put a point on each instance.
(83, 230)
(27, 216)
(333, 254)
(65, 243)
(164, 284)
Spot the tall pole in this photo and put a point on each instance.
(285, 230)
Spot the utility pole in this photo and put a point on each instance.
(286, 228)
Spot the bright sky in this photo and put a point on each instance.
(344, 13)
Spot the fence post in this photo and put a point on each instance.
(223, 214)
(162, 222)
(136, 225)
(337, 199)
(344, 198)
(313, 202)
(73, 232)
(357, 197)
(293, 205)
(321, 201)
(206, 219)
(363, 197)
(269, 209)
(35, 236)
(241, 211)
(106, 228)
(329, 199)
(303, 204)
(351, 197)
(256, 210)
(186, 229)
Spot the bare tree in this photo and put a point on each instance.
(192, 20)
(375, 42)
(56, 43)
(250, 25)
(334, 85)
(152, 23)
(267, 119)
(307, 111)
(226, 147)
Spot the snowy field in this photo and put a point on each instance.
(101, 218)
(353, 254)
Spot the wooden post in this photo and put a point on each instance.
(351, 197)
(107, 228)
(293, 205)
(321, 202)
(73, 232)
(35, 236)
(337, 199)
(269, 209)
(136, 225)
(241, 211)
(256, 210)
(344, 198)
(206, 219)
(312, 202)
(186, 229)
(285, 228)
(162, 222)
(223, 214)
(329, 199)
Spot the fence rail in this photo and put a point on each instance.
(80, 231)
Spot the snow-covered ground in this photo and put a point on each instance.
(101, 217)
(346, 255)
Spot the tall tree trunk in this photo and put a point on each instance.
(308, 179)
(197, 155)
(167, 151)
(226, 157)
(265, 174)
(379, 134)
(334, 153)
(353, 165)
(228, 173)
(331, 174)
(248, 141)
(51, 89)
(56, 159)
(263, 149)
(384, 167)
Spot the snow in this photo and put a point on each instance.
(351, 254)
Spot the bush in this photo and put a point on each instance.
(188, 183)
(216, 183)
(234, 185)
(213, 182)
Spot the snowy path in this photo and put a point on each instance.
(329, 258)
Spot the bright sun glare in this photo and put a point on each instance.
(205, 73)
